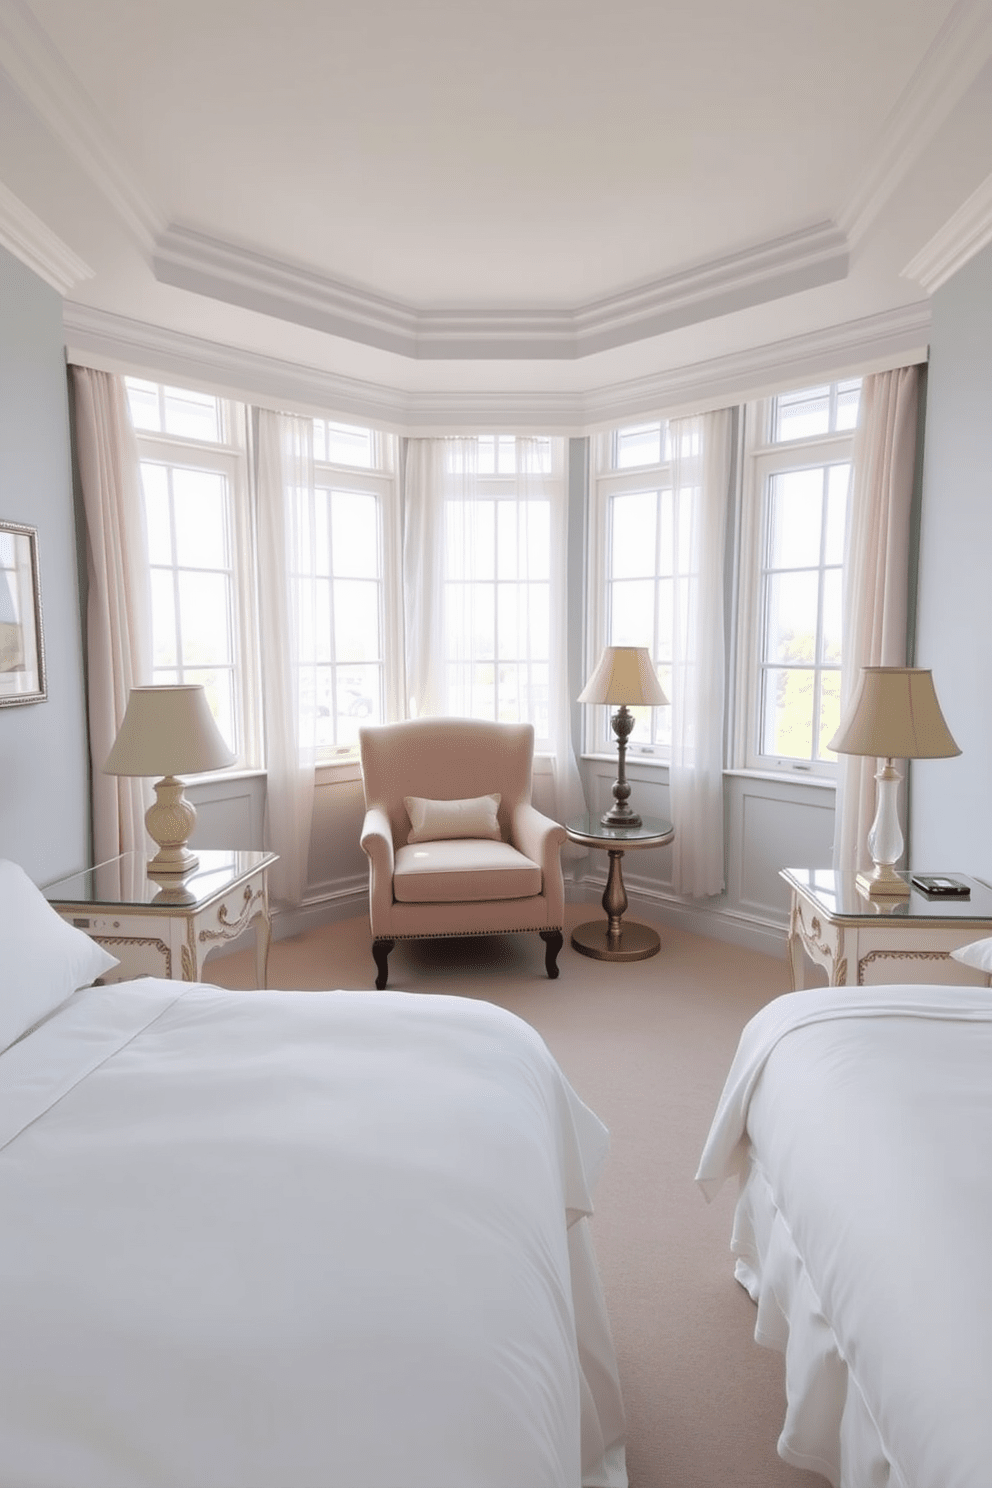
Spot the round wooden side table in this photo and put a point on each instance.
(615, 939)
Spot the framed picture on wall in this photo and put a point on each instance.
(22, 644)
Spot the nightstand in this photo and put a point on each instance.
(862, 941)
(169, 931)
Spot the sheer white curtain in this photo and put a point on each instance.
(484, 576)
(424, 482)
(288, 626)
(118, 607)
(876, 576)
(701, 467)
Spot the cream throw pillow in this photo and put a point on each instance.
(435, 821)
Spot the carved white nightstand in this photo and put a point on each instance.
(169, 932)
(862, 941)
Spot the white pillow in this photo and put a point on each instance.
(977, 953)
(434, 821)
(42, 959)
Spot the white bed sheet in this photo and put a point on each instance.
(298, 1240)
(860, 1123)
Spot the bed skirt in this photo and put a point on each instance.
(828, 1428)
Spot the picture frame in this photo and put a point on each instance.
(22, 642)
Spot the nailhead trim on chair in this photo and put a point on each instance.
(464, 934)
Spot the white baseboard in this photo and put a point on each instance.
(343, 902)
(718, 923)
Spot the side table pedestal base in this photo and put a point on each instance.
(636, 942)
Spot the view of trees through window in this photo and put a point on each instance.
(804, 500)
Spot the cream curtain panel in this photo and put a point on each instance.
(701, 472)
(876, 576)
(289, 640)
(118, 609)
(453, 526)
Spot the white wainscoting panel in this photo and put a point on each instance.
(775, 824)
(339, 869)
(230, 811)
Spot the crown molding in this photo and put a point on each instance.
(27, 238)
(191, 260)
(961, 237)
(950, 65)
(39, 73)
(117, 344)
(874, 343)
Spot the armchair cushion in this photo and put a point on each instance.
(461, 870)
(435, 821)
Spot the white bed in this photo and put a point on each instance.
(297, 1240)
(859, 1122)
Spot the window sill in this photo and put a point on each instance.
(217, 777)
(348, 767)
(783, 777)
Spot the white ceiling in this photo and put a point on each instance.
(529, 194)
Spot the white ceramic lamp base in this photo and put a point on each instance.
(169, 821)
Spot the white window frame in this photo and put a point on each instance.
(228, 457)
(382, 483)
(502, 484)
(599, 741)
(762, 460)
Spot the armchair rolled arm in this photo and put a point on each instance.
(540, 839)
(377, 843)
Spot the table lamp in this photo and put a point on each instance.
(166, 730)
(894, 714)
(624, 675)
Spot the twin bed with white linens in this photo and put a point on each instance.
(859, 1123)
(290, 1240)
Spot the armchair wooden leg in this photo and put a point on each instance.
(553, 941)
(380, 953)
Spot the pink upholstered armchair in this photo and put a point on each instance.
(473, 867)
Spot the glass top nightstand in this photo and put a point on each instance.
(862, 940)
(157, 928)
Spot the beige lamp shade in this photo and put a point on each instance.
(624, 675)
(168, 731)
(894, 714)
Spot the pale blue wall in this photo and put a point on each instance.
(951, 801)
(44, 781)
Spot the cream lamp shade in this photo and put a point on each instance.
(624, 675)
(893, 714)
(166, 731)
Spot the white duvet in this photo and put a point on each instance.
(298, 1240)
(860, 1123)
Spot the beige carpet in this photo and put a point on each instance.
(647, 1046)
